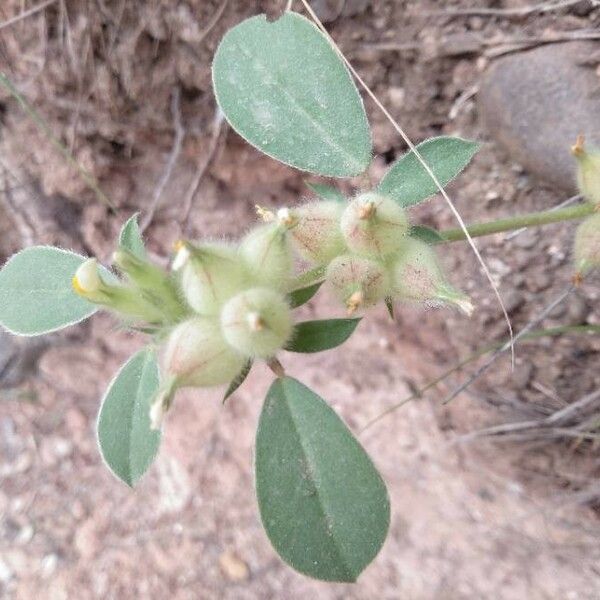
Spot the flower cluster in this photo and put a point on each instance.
(221, 305)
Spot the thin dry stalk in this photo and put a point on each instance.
(27, 13)
(544, 7)
(172, 160)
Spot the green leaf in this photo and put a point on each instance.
(326, 192)
(426, 234)
(130, 237)
(323, 504)
(238, 380)
(36, 294)
(389, 304)
(408, 182)
(127, 443)
(316, 336)
(303, 295)
(283, 88)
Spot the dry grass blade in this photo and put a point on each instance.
(544, 7)
(190, 197)
(424, 164)
(533, 323)
(172, 160)
(41, 123)
(27, 13)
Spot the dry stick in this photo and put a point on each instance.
(427, 168)
(194, 187)
(547, 424)
(533, 323)
(519, 44)
(171, 162)
(215, 19)
(27, 13)
(504, 12)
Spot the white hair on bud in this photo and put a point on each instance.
(181, 258)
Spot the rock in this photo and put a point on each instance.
(535, 104)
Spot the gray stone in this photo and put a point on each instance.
(535, 103)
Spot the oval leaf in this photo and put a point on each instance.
(130, 237)
(127, 443)
(285, 90)
(408, 182)
(36, 294)
(326, 192)
(426, 234)
(316, 336)
(323, 504)
(303, 295)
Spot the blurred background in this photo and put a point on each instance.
(483, 506)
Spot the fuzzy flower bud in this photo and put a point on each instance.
(588, 171)
(374, 225)
(196, 355)
(417, 276)
(316, 234)
(123, 300)
(210, 275)
(358, 282)
(587, 245)
(257, 322)
(154, 284)
(267, 253)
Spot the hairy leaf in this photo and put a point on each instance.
(238, 380)
(130, 237)
(408, 182)
(323, 504)
(301, 296)
(316, 336)
(283, 88)
(36, 294)
(127, 443)
(426, 234)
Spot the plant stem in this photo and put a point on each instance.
(509, 224)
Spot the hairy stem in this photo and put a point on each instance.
(509, 224)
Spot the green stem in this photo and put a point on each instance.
(511, 223)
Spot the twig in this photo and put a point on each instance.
(27, 13)
(190, 197)
(533, 323)
(172, 160)
(500, 48)
(504, 12)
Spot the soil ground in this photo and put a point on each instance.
(476, 520)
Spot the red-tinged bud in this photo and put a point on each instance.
(418, 277)
(358, 282)
(374, 225)
(587, 245)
